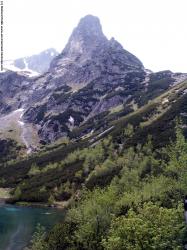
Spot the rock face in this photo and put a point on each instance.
(92, 76)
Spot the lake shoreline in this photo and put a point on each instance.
(6, 199)
(37, 205)
(56, 205)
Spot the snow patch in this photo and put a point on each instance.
(26, 64)
(71, 120)
(9, 65)
(19, 110)
(21, 123)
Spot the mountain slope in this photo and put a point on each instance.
(91, 75)
(65, 161)
(93, 79)
(79, 78)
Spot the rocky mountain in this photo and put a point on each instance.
(81, 79)
(32, 65)
(92, 78)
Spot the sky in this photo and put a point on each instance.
(153, 30)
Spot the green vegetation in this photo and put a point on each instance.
(38, 238)
(139, 208)
(10, 150)
(151, 227)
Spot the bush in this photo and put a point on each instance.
(151, 227)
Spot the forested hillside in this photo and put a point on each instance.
(131, 200)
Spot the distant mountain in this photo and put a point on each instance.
(33, 65)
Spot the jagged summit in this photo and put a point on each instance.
(86, 36)
(87, 44)
(89, 26)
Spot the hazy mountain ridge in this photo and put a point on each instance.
(32, 65)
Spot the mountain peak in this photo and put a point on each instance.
(88, 47)
(87, 35)
(89, 25)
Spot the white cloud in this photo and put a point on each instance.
(153, 30)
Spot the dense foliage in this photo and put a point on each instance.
(139, 208)
(9, 150)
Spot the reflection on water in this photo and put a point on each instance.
(12, 209)
(17, 224)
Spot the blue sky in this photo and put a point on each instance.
(154, 30)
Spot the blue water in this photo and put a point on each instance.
(17, 224)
